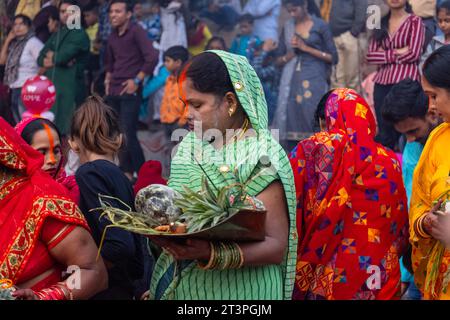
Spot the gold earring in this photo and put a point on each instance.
(230, 112)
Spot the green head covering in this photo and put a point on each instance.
(235, 162)
(248, 88)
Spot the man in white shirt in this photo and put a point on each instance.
(266, 14)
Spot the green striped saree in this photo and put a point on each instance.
(256, 161)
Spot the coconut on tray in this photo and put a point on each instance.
(229, 214)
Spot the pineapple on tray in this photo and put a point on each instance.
(230, 214)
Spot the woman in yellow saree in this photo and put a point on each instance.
(430, 229)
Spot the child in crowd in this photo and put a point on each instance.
(443, 18)
(96, 137)
(152, 94)
(216, 43)
(173, 112)
(246, 42)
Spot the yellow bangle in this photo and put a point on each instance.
(419, 228)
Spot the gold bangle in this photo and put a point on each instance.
(419, 227)
(211, 261)
(241, 256)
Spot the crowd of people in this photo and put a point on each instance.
(355, 186)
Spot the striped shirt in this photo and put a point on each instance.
(393, 68)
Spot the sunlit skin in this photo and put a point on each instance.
(417, 129)
(209, 112)
(439, 99)
(443, 19)
(47, 142)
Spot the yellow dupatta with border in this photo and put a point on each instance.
(431, 261)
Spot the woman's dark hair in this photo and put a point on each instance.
(25, 19)
(383, 32)
(97, 127)
(53, 13)
(436, 68)
(320, 110)
(37, 125)
(218, 39)
(405, 100)
(209, 74)
(312, 6)
(443, 6)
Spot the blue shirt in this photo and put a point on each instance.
(411, 156)
(245, 45)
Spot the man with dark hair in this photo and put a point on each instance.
(64, 57)
(406, 107)
(130, 56)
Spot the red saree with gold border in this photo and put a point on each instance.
(31, 202)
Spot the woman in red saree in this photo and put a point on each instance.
(352, 208)
(42, 231)
(43, 135)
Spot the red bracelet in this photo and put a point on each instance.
(52, 293)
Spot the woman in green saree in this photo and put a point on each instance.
(233, 145)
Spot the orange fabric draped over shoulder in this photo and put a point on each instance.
(30, 201)
(352, 215)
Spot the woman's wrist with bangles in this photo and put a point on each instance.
(224, 255)
(420, 227)
(59, 291)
